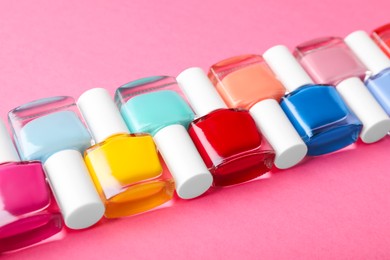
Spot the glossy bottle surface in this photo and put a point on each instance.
(321, 118)
(27, 215)
(379, 86)
(329, 60)
(50, 130)
(156, 106)
(381, 36)
(245, 80)
(231, 146)
(150, 104)
(128, 175)
(46, 126)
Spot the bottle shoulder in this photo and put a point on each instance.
(150, 112)
(22, 164)
(311, 88)
(221, 113)
(381, 75)
(122, 138)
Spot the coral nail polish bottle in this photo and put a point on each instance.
(27, 213)
(378, 82)
(227, 139)
(125, 167)
(382, 37)
(246, 82)
(330, 61)
(49, 130)
(318, 112)
(153, 105)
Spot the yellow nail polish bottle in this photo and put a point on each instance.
(125, 168)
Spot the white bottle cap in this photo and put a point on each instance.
(101, 114)
(191, 175)
(367, 51)
(286, 68)
(200, 92)
(8, 152)
(73, 189)
(376, 123)
(279, 132)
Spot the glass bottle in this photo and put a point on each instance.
(318, 112)
(378, 80)
(28, 215)
(154, 105)
(246, 82)
(329, 61)
(125, 168)
(381, 36)
(227, 139)
(50, 130)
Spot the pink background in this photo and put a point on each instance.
(332, 207)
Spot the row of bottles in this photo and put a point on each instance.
(103, 156)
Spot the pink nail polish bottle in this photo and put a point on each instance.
(330, 61)
(27, 213)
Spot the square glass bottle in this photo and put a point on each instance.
(318, 112)
(378, 64)
(246, 82)
(27, 212)
(50, 130)
(125, 168)
(154, 105)
(227, 139)
(330, 61)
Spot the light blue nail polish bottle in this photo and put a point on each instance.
(378, 82)
(50, 130)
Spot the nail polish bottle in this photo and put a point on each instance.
(27, 213)
(125, 167)
(246, 82)
(49, 130)
(378, 81)
(154, 105)
(381, 36)
(318, 112)
(227, 139)
(330, 61)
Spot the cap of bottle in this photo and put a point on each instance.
(376, 123)
(275, 125)
(367, 51)
(279, 132)
(286, 67)
(80, 204)
(101, 114)
(199, 90)
(8, 152)
(191, 175)
(268, 115)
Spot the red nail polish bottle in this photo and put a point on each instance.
(381, 36)
(227, 139)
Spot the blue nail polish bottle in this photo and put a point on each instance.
(377, 62)
(317, 112)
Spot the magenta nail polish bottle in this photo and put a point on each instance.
(27, 213)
